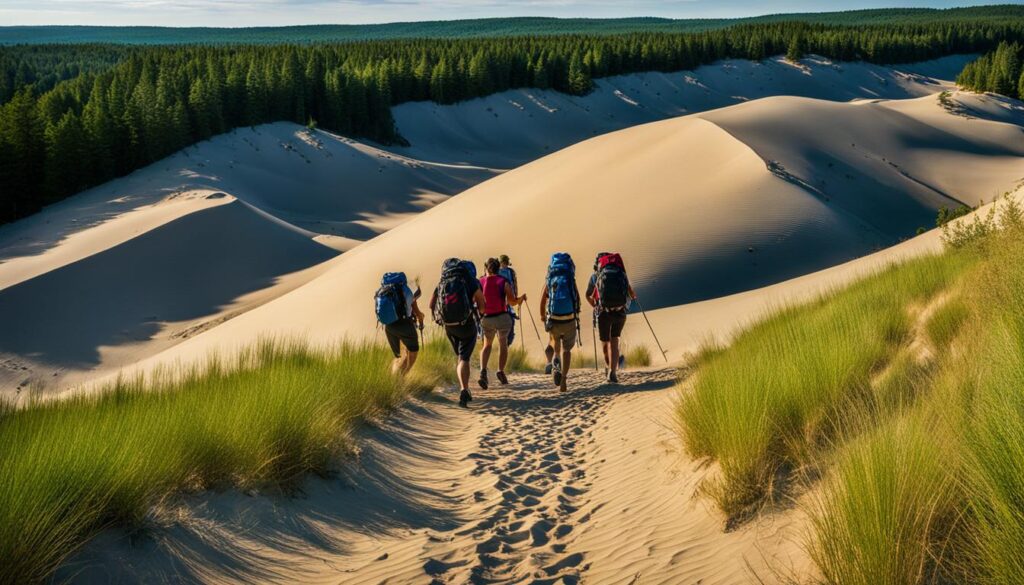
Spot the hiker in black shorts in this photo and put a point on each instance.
(455, 304)
(610, 293)
(399, 312)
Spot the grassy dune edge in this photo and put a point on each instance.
(890, 410)
(262, 420)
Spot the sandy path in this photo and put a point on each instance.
(527, 486)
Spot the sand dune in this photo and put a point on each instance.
(154, 288)
(508, 129)
(696, 212)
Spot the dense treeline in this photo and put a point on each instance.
(157, 100)
(481, 27)
(1000, 71)
(43, 66)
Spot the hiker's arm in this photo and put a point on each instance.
(544, 305)
(433, 300)
(632, 293)
(511, 297)
(591, 290)
(478, 298)
(417, 312)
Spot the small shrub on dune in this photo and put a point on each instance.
(638, 356)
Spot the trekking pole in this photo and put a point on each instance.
(534, 323)
(653, 334)
(593, 324)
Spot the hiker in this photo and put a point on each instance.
(454, 305)
(509, 273)
(399, 312)
(610, 293)
(559, 310)
(498, 297)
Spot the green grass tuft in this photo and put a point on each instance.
(72, 467)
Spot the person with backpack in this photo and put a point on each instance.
(559, 310)
(398, 311)
(498, 297)
(610, 293)
(454, 305)
(509, 273)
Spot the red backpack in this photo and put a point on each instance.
(493, 286)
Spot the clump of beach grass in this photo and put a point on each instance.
(72, 467)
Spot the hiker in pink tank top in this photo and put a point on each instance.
(498, 296)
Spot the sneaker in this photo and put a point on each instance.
(612, 378)
(464, 398)
(557, 377)
(469, 396)
(483, 380)
(547, 369)
(558, 362)
(502, 378)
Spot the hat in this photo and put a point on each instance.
(504, 259)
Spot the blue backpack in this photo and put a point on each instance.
(563, 300)
(390, 302)
(510, 275)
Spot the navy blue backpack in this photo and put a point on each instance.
(389, 302)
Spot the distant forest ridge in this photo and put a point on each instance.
(477, 28)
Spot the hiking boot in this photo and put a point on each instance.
(483, 380)
(502, 378)
(464, 398)
(612, 378)
(547, 369)
(557, 377)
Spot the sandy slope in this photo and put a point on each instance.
(154, 288)
(529, 486)
(508, 129)
(129, 268)
(696, 212)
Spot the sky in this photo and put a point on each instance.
(234, 13)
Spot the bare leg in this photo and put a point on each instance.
(502, 353)
(614, 351)
(566, 362)
(485, 352)
(410, 361)
(549, 351)
(462, 371)
(605, 351)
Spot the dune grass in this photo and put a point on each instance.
(70, 468)
(921, 454)
(763, 407)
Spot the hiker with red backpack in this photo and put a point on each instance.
(498, 297)
(454, 305)
(399, 312)
(559, 311)
(610, 293)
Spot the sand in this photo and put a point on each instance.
(529, 486)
